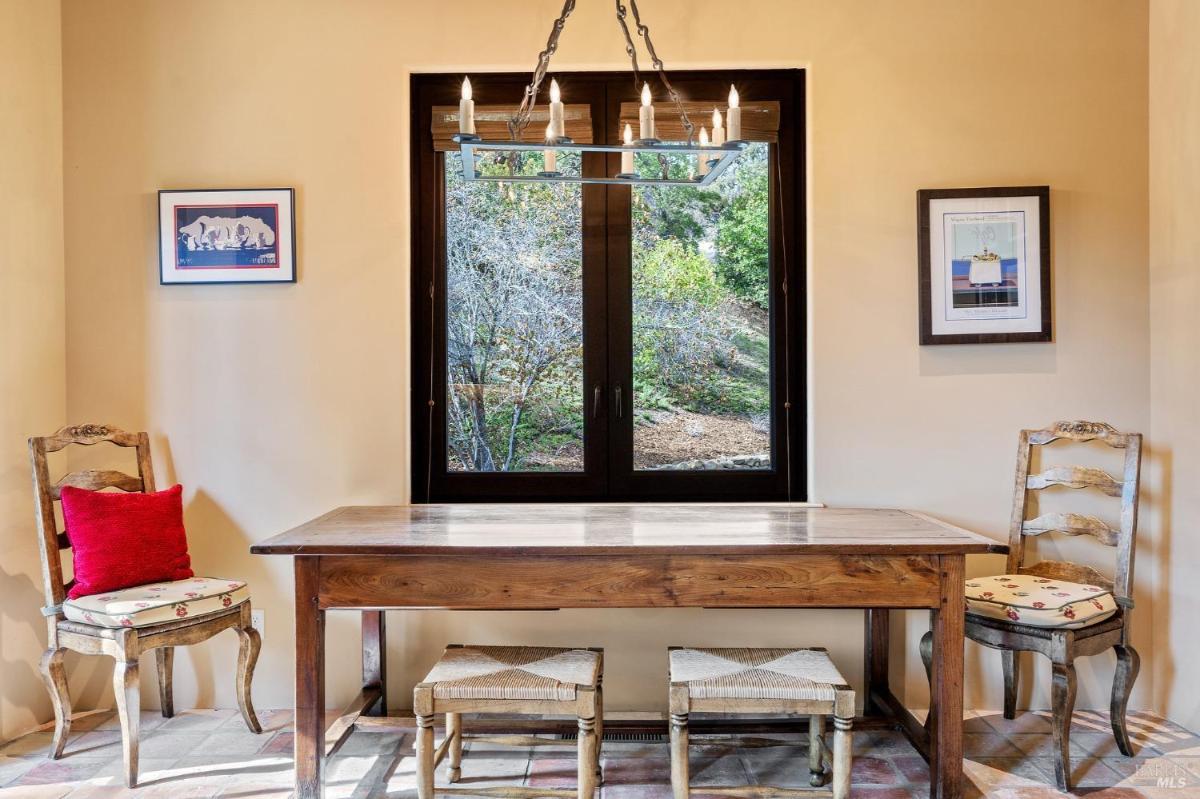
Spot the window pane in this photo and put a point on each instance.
(514, 321)
(701, 344)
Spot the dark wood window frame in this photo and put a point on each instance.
(608, 474)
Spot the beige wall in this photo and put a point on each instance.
(1175, 331)
(32, 354)
(273, 403)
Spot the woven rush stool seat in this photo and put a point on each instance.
(756, 681)
(509, 679)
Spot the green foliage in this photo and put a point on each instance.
(674, 273)
(743, 237)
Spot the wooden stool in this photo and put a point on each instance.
(801, 681)
(510, 679)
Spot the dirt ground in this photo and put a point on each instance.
(672, 437)
(675, 436)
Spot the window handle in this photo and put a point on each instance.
(617, 397)
(596, 401)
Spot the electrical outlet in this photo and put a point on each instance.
(257, 619)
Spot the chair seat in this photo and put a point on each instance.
(514, 672)
(800, 674)
(1039, 601)
(155, 603)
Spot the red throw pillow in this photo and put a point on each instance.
(122, 540)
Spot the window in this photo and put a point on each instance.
(590, 342)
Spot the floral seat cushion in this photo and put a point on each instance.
(155, 603)
(1039, 601)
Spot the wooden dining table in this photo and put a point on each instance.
(553, 556)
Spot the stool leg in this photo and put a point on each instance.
(843, 739)
(816, 732)
(599, 730)
(425, 757)
(586, 767)
(679, 755)
(454, 728)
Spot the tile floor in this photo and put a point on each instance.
(208, 753)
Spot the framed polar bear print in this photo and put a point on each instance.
(984, 265)
(226, 236)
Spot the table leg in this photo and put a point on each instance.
(875, 667)
(946, 692)
(310, 681)
(374, 658)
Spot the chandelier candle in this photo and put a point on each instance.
(627, 158)
(718, 137)
(733, 118)
(557, 127)
(551, 158)
(466, 110)
(646, 115)
(702, 161)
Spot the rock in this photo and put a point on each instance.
(760, 460)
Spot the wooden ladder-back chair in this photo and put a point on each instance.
(1063, 645)
(123, 644)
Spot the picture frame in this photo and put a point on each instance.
(218, 236)
(983, 258)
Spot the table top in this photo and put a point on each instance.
(611, 529)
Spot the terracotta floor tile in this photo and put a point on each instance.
(1092, 773)
(988, 745)
(912, 767)
(640, 792)
(1098, 744)
(720, 771)
(1026, 721)
(638, 770)
(13, 767)
(552, 773)
(873, 771)
(50, 772)
(1037, 745)
(206, 754)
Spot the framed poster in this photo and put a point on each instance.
(984, 265)
(227, 236)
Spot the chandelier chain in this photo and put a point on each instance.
(520, 120)
(644, 31)
(630, 49)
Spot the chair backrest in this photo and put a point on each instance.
(1078, 477)
(47, 492)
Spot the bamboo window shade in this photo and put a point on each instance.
(760, 120)
(491, 124)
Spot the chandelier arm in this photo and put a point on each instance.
(644, 32)
(521, 119)
(630, 49)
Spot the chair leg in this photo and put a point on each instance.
(424, 757)
(1012, 678)
(586, 767)
(599, 730)
(843, 745)
(1062, 697)
(679, 755)
(926, 649)
(54, 674)
(164, 658)
(250, 642)
(1128, 664)
(127, 691)
(816, 735)
(454, 734)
